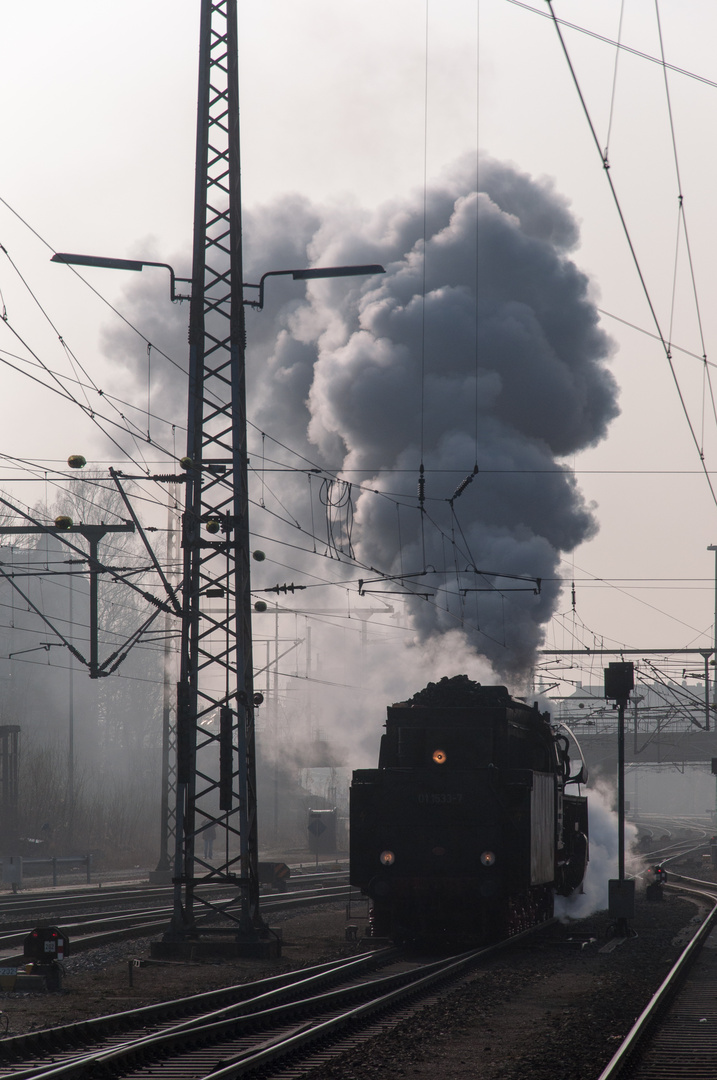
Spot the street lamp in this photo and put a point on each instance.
(308, 274)
(120, 264)
(139, 264)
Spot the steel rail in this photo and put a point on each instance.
(335, 1027)
(236, 1021)
(154, 921)
(646, 1023)
(98, 1026)
(289, 988)
(102, 895)
(80, 917)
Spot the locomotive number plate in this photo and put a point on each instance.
(436, 798)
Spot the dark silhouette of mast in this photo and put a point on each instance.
(216, 766)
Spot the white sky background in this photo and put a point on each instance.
(99, 108)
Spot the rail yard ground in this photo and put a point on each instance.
(549, 1010)
(542, 1010)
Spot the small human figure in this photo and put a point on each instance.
(210, 833)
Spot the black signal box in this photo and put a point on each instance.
(619, 681)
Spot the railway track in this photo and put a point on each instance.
(237, 1059)
(90, 930)
(234, 1049)
(59, 900)
(242, 1030)
(676, 1034)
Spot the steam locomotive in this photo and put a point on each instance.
(464, 831)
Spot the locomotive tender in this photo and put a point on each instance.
(464, 831)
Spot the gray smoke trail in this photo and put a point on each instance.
(480, 345)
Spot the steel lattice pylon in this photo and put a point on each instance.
(216, 774)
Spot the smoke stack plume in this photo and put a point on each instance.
(480, 346)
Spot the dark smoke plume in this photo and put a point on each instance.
(479, 346)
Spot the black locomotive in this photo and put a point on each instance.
(464, 830)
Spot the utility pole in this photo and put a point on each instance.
(216, 752)
(215, 732)
(92, 534)
(216, 764)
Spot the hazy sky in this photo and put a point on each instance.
(356, 107)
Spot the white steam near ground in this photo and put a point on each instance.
(603, 865)
(480, 345)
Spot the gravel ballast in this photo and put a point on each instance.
(545, 1009)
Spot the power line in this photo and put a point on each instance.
(632, 249)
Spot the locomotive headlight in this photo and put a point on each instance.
(439, 756)
(387, 858)
(487, 858)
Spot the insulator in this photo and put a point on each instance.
(464, 484)
(421, 486)
(155, 602)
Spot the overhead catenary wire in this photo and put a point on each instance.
(682, 243)
(606, 152)
(633, 252)
(91, 287)
(87, 408)
(103, 395)
(683, 229)
(622, 46)
(312, 530)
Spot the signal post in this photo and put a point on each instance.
(619, 682)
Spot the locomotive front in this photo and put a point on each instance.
(459, 832)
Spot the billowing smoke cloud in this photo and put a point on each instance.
(479, 346)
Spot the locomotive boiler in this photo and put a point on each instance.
(465, 830)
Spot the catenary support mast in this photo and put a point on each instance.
(216, 769)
